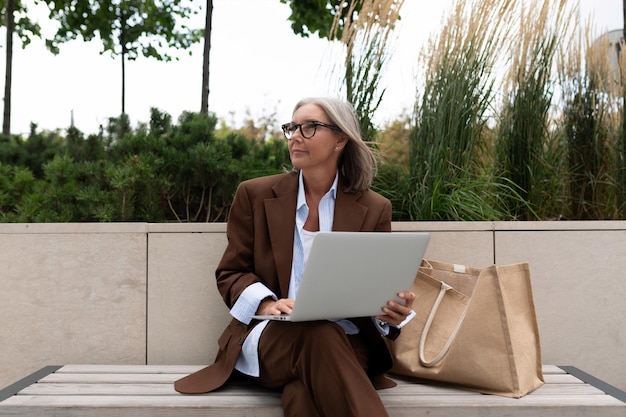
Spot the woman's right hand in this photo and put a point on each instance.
(269, 306)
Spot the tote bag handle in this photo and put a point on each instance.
(429, 364)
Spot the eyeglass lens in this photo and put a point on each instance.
(307, 130)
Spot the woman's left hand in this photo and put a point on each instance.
(396, 313)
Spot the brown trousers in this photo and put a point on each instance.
(321, 370)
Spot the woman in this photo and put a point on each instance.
(324, 368)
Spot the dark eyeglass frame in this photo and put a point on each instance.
(290, 128)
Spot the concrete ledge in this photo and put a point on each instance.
(72, 228)
(442, 226)
(187, 228)
(613, 225)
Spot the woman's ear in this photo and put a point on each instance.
(342, 141)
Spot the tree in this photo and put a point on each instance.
(623, 156)
(367, 37)
(25, 29)
(318, 17)
(364, 27)
(129, 28)
(204, 106)
(10, 22)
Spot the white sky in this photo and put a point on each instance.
(257, 65)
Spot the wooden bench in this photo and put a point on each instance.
(146, 390)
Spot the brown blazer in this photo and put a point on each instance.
(260, 235)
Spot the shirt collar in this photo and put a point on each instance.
(301, 197)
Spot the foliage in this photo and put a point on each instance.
(25, 28)
(364, 27)
(542, 145)
(367, 37)
(158, 172)
(393, 140)
(16, 21)
(309, 17)
(263, 128)
(591, 128)
(33, 152)
(548, 150)
(449, 138)
(524, 141)
(131, 27)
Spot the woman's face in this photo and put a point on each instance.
(322, 150)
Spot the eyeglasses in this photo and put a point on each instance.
(307, 129)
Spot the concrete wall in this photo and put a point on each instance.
(135, 293)
(71, 294)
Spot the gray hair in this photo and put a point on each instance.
(358, 161)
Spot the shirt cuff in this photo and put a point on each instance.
(406, 320)
(248, 302)
(383, 326)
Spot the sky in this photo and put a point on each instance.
(258, 67)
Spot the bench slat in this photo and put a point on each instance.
(168, 389)
(129, 369)
(218, 400)
(212, 401)
(182, 369)
(142, 378)
(169, 378)
(548, 379)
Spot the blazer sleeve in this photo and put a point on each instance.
(235, 271)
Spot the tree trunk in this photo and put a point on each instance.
(8, 75)
(204, 107)
(123, 19)
(123, 80)
(623, 80)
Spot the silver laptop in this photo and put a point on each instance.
(354, 274)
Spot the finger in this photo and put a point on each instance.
(398, 308)
(289, 302)
(388, 319)
(391, 316)
(395, 313)
(281, 307)
(408, 298)
(284, 305)
(407, 295)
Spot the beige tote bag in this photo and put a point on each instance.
(474, 328)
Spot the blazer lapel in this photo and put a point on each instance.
(281, 220)
(349, 213)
